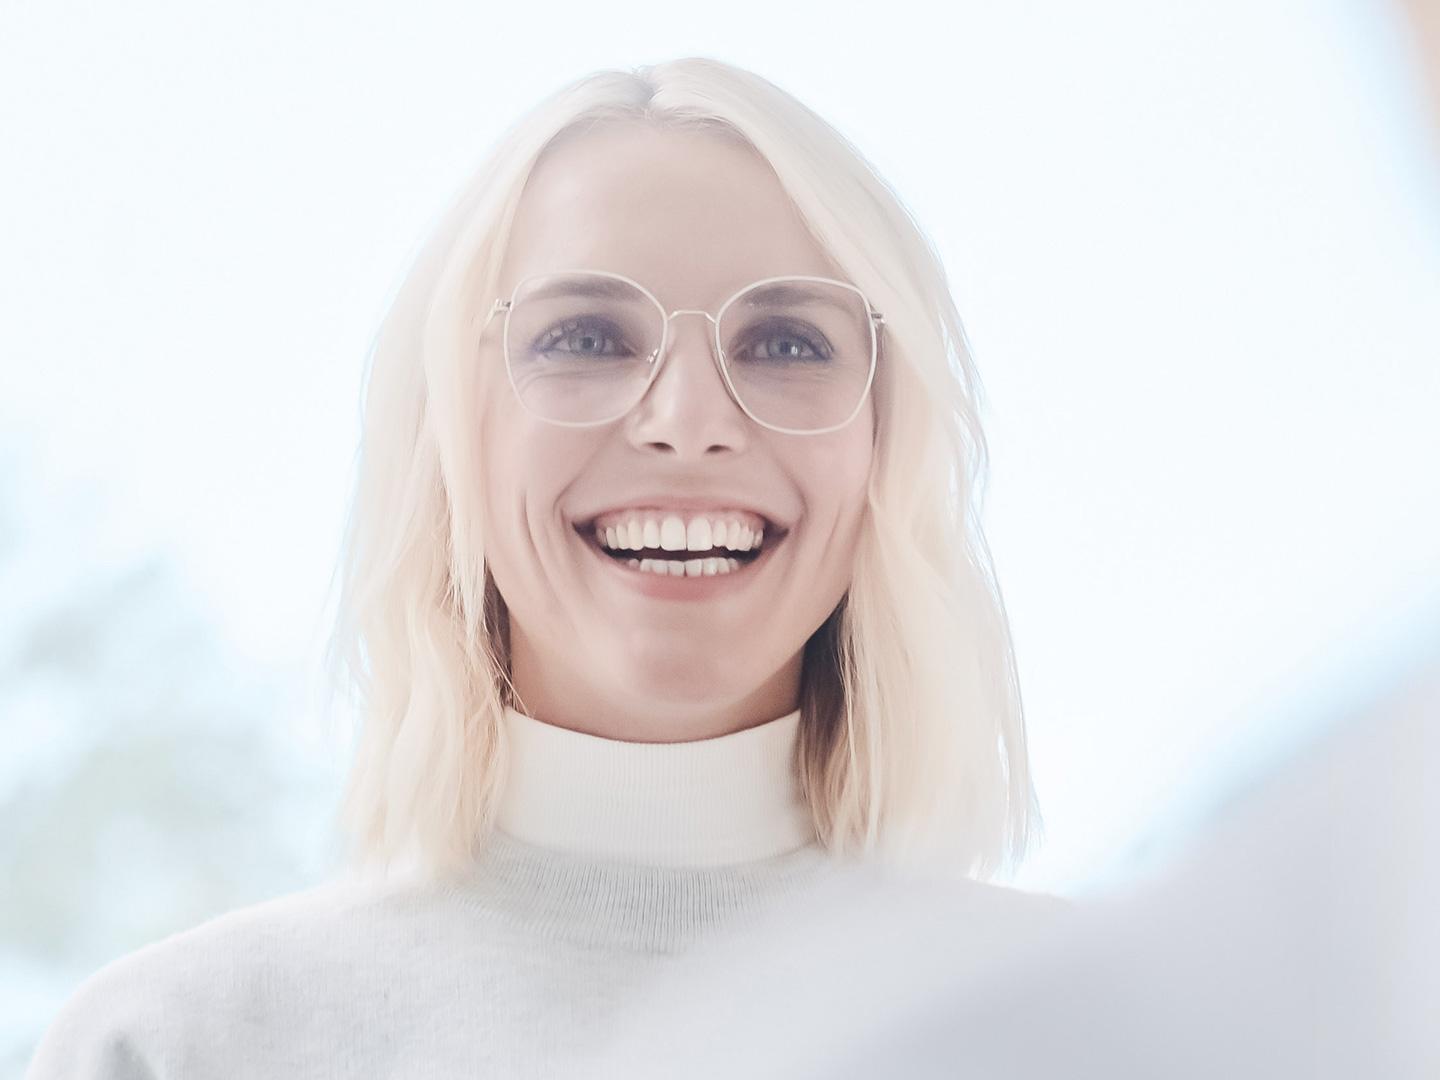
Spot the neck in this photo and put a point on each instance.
(552, 686)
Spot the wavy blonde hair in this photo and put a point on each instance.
(911, 744)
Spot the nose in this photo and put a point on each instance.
(688, 407)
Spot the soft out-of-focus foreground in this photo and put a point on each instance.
(1296, 935)
(1197, 248)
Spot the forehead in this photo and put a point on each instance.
(692, 216)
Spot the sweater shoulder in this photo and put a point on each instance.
(1030, 900)
(992, 903)
(124, 1021)
(946, 907)
(956, 890)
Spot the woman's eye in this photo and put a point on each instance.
(785, 345)
(580, 338)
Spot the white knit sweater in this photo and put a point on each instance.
(610, 860)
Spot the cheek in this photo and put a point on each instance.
(850, 467)
(834, 474)
(528, 471)
(850, 491)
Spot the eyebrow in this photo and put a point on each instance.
(790, 293)
(604, 288)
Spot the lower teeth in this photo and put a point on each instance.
(684, 567)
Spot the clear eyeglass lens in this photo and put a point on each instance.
(580, 349)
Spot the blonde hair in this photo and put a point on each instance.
(911, 745)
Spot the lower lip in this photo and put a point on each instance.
(673, 587)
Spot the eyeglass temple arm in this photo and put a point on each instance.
(495, 309)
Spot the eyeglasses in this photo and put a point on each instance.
(583, 347)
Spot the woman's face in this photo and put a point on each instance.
(595, 646)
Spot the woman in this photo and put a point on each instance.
(665, 599)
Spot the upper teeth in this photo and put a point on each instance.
(671, 532)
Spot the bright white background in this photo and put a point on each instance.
(1196, 246)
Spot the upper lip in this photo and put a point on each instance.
(686, 502)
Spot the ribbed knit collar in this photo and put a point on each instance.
(713, 802)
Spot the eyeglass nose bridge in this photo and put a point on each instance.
(717, 357)
(665, 334)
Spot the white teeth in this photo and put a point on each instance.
(672, 534)
(697, 537)
(677, 568)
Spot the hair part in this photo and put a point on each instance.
(911, 745)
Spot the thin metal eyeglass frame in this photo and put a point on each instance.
(658, 357)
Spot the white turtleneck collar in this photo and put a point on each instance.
(712, 802)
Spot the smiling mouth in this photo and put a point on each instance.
(624, 555)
